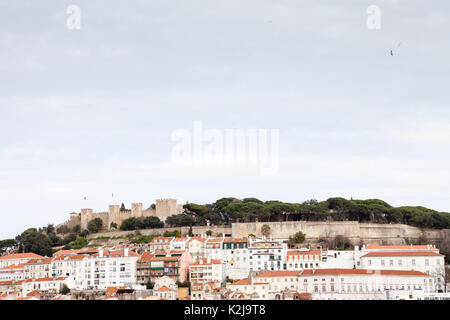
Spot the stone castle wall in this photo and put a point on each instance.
(353, 230)
(217, 231)
(163, 209)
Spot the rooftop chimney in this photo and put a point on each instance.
(125, 252)
(208, 260)
(100, 253)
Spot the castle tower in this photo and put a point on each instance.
(166, 208)
(86, 216)
(113, 215)
(136, 210)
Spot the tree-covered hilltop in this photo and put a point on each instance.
(229, 210)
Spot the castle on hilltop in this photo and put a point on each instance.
(162, 209)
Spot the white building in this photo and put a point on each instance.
(341, 259)
(106, 269)
(348, 284)
(233, 252)
(304, 259)
(196, 246)
(17, 258)
(235, 257)
(38, 268)
(13, 272)
(47, 285)
(429, 262)
(254, 290)
(267, 254)
(207, 270)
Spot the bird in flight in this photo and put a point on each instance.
(392, 52)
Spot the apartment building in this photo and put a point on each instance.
(38, 268)
(205, 291)
(303, 259)
(196, 247)
(429, 262)
(174, 264)
(143, 268)
(13, 272)
(207, 270)
(17, 258)
(348, 284)
(267, 254)
(161, 244)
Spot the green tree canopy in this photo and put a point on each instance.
(95, 225)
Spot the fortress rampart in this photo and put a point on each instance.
(163, 209)
(353, 230)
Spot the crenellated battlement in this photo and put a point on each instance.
(163, 209)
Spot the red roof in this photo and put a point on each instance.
(46, 260)
(373, 246)
(280, 273)
(243, 282)
(146, 256)
(402, 254)
(363, 272)
(165, 258)
(28, 255)
(119, 253)
(235, 240)
(14, 266)
(66, 252)
(164, 288)
(304, 253)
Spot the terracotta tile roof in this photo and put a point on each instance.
(177, 251)
(164, 288)
(146, 257)
(235, 240)
(205, 262)
(119, 253)
(88, 250)
(21, 256)
(34, 293)
(14, 266)
(373, 246)
(110, 292)
(242, 282)
(165, 258)
(363, 272)
(45, 260)
(66, 252)
(304, 253)
(71, 257)
(280, 273)
(402, 254)
(46, 279)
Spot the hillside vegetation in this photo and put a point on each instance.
(228, 210)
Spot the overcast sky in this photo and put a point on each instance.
(90, 112)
